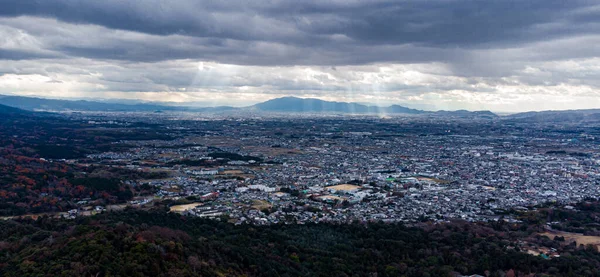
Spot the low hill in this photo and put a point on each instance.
(7, 110)
(467, 114)
(589, 115)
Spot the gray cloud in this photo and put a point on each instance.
(465, 53)
(357, 29)
(439, 23)
(8, 54)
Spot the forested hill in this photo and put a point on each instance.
(138, 243)
(7, 110)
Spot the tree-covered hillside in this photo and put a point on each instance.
(138, 243)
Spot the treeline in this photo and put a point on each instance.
(55, 137)
(582, 217)
(219, 158)
(138, 243)
(32, 185)
(233, 157)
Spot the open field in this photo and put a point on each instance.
(231, 172)
(330, 197)
(261, 204)
(236, 173)
(343, 187)
(183, 208)
(435, 180)
(570, 237)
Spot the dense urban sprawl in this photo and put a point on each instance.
(299, 169)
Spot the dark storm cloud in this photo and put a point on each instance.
(395, 22)
(315, 32)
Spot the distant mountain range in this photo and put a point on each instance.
(36, 104)
(280, 105)
(20, 104)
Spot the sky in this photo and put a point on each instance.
(507, 56)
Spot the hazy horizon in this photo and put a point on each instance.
(423, 107)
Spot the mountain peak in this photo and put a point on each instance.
(296, 104)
